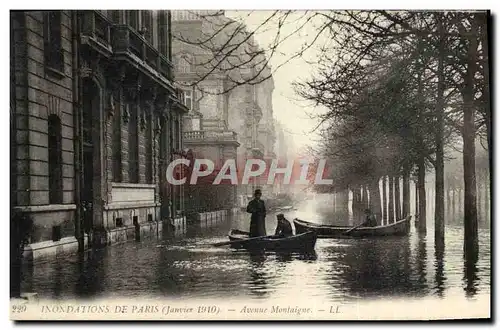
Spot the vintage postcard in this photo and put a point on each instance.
(250, 165)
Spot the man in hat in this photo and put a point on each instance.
(284, 227)
(258, 210)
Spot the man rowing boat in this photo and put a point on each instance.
(284, 227)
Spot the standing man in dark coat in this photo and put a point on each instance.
(258, 210)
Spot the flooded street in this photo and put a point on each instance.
(339, 270)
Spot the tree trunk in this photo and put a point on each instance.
(367, 198)
(391, 201)
(486, 30)
(343, 204)
(422, 207)
(384, 199)
(454, 204)
(397, 198)
(375, 200)
(469, 148)
(416, 198)
(486, 198)
(449, 202)
(406, 196)
(479, 198)
(438, 137)
(406, 193)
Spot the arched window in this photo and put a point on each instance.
(55, 160)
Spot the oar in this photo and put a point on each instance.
(353, 228)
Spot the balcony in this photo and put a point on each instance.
(132, 47)
(96, 32)
(211, 137)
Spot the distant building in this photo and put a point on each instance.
(284, 153)
(97, 117)
(233, 125)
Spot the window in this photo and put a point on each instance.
(163, 32)
(133, 145)
(55, 160)
(196, 124)
(149, 148)
(183, 65)
(133, 19)
(114, 16)
(188, 99)
(53, 52)
(117, 144)
(147, 25)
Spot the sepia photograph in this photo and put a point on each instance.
(222, 164)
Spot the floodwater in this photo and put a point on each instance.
(340, 269)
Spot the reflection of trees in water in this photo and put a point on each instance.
(439, 265)
(422, 259)
(171, 279)
(471, 277)
(371, 267)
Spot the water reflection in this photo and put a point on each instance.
(421, 259)
(439, 265)
(91, 273)
(471, 277)
(184, 267)
(258, 276)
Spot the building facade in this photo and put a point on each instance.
(225, 121)
(97, 118)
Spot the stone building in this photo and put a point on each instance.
(285, 151)
(225, 121)
(97, 117)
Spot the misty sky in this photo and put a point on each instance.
(288, 109)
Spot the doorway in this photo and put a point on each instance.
(91, 156)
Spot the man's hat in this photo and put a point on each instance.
(280, 216)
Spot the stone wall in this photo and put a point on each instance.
(123, 210)
(38, 95)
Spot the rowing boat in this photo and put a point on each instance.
(399, 228)
(301, 242)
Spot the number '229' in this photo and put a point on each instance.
(18, 308)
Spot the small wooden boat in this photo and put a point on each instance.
(398, 228)
(301, 242)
